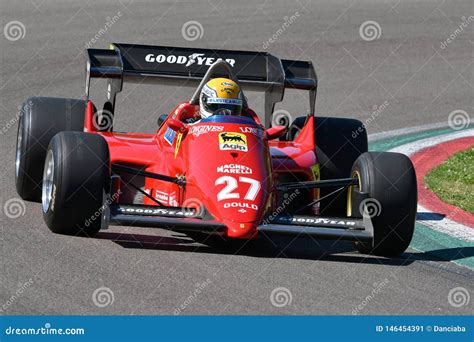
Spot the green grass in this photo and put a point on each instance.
(453, 181)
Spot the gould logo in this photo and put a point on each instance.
(233, 141)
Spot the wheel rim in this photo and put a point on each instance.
(354, 174)
(19, 141)
(48, 176)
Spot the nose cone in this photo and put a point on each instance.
(229, 165)
(240, 198)
(241, 230)
(238, 195)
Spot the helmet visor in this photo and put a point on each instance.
(214, 104)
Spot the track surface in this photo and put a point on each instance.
(155, 272)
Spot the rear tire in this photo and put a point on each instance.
(339, 142)
(40, 119)
(75, 183)
(389, 180)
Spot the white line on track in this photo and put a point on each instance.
(405, 131)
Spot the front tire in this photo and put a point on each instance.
(40, 119)
(75, 183)
(389, 180)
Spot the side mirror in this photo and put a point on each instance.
(275, 132)
(177, 125)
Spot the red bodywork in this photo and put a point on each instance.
(231, 175)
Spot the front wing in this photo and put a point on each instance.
(187, 219)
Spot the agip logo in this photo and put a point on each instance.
(233, 141)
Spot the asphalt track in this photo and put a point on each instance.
(156, 272)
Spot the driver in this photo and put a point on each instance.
(220, 96)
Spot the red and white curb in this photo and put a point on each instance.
(456, 223)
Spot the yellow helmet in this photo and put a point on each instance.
(220, 94)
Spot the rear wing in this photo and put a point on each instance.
(260, 71)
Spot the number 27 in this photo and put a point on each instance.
(231, 184)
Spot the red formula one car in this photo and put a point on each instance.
(230, 176)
